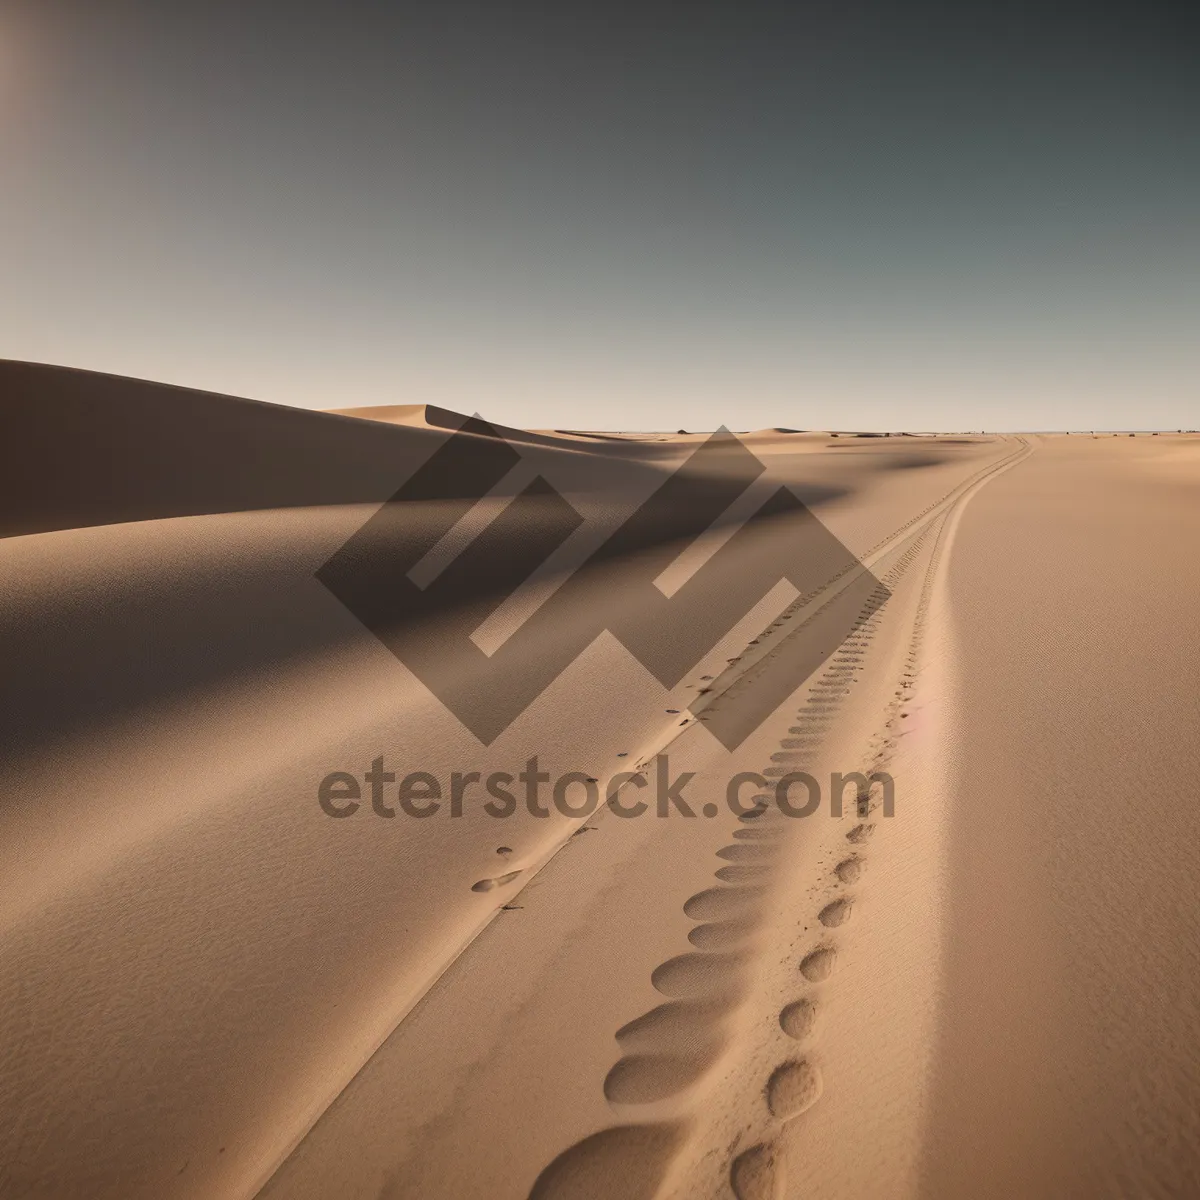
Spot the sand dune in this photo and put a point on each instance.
(214, 988)
(400, 414)
(431, 416)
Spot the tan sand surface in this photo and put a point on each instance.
(211, 988)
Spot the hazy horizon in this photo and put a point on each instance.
(941, 217)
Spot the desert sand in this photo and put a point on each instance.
(211, 987)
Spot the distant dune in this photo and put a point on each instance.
(430, 416)
(89, 449)
(401, 414)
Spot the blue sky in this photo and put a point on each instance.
(853, 216)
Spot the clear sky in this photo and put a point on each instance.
(836, 214)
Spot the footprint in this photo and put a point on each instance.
(486, 885)
(757, 1173)
(818, 964)
(792, 1089)
(646, 1078)
(720, 904)
(835, 914)
(638, 1155)
(741, 852)
(672, 1027)
(693, 975)
(849, 870)
(860, 834)
(757, 833)
(721, 935)
(742, 874)
(798, 1019)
